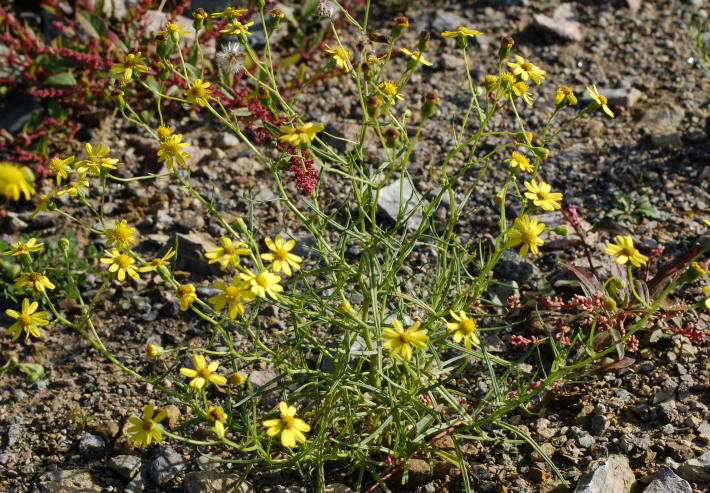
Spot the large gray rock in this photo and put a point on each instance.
(513, 267)
(666, 481)
(125, 466)
(69, 481)
(166, 466)
(662, 122)
(214, 482)
(191, 253)
(608, 475)
(401, 195)
(563, 22)
(697, 469)
(91, 445)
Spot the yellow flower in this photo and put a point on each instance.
(72, 188)
(506, 80)
(156, 263)
(95, 161)
(599, 100)
(27, 320)
(521, 89)
(389, 88)
(237, 378)
(217, 417)
(174, 30)
(465, 329)
(418, 56)
(164, 132)
(24, 248)
(120, 263)
(229, 12)
(35, 280)
(236, 27)
(292, 429)
(706, 291)
(491, 82)
(341, 56)
(228, 254)
(198, 92)
(147, 429)
(699, 269)
(153, 351)
(233, 294)
(519, 161)
(565, 96)
(187, 294)
(282, 259)
(400, 340)
(525, 70)
(263, 284)
(171, 151)
(625, 251)
(300, 135)
(707, 222)
(460, 32)
(131, 62)
(202, 373)
(61, 167)
(525, 232)
(540, 194)
(15, 180)
(373, 59)
(42, 202)
(121, 235)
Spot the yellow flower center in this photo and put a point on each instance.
(147, 424)
(628, 251)
(172, 147)
(529, 237)
(602, 100)
(288, 422)
(468, 325)
(25, 320)
(262, 280)
(389, 88)
(124, 261)
(527, 66)
(184, 290)
(204, 372)
(196, 91)
(542, 195)
(122, 232)
(35, 277)
(405, 338)
(231, 293)
(228, 249)
(281, 254)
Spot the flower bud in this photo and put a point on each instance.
(499, 198)
(366, 70)
(490, 82)
(199, 17)
(373, 104)
(609, 304)
(541, 152)
(424, 38)
(429, 106)
(400, 24)
(237, 378)
(506, 44)
(162, 48)
(344, 306)
(275, 18)
(524, 137)
(153, 351)
(391, 136)
(561, 230)
(117, 96)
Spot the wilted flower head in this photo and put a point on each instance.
(325, 9)
(231, 58)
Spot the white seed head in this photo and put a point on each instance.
(231, 58)
(325, 9)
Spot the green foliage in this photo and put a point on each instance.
(626, 210)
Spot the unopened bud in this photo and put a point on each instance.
(237, 378)
(373, 104)
(541, 152)
(429, 106)
(275, 18)
(400, 24)
(344, 306)
(153, 351)
(424, 38)
(561, 230)
(506, 44)
(199, 17)
(609, 304)
(499, 198)
(391, 136)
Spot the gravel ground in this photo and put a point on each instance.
(654, 413)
